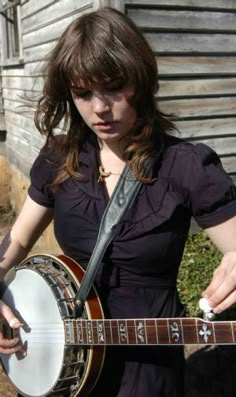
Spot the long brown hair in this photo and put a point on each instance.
(100, 46)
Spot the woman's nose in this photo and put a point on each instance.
(100, 103)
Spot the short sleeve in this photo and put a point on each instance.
(42, 174)
(209, 191)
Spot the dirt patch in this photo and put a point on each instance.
(6, 388)
(6, 221)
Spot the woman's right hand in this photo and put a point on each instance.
(9, 346)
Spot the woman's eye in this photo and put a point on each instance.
(114, 87)
(81, 93)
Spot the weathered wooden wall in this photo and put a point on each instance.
(42, 23)
(195, 44)
(2, 122)
(194, 41)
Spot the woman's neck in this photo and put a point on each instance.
(112, 149)
(111, 158)
(111, 165)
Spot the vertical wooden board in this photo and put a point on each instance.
(2, 122)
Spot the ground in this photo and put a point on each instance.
(210, 370)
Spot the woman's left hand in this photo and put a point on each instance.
(221, 292)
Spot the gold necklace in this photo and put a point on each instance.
(103, 174)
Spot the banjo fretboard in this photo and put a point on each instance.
(169, 331)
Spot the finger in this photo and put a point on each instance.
(219, 275)
(9, 343)
(15, 323)
(216, 296)
(222, 283)
(214, 284)
(226, 303)
(9, 350)
(13, 345)
(7, 313)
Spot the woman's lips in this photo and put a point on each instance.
(106, 125)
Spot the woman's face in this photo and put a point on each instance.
(106, 110)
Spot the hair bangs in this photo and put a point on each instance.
(94, 65)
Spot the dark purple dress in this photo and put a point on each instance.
(140, 267)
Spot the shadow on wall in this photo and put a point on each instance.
(211, 371)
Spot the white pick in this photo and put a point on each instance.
(204, 305)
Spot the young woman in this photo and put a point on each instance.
(101, 80)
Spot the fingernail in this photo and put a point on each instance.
(14, 321)
(217, 310)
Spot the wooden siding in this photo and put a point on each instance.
(195, 46)
(42, 24)
(2, 122)
(194, 42)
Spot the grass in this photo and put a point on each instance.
(199, 261)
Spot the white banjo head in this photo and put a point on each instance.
(45, 338)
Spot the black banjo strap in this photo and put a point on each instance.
(122, 198)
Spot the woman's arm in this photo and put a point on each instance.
(31, 222)
(221, 292)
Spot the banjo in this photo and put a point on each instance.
(67, 354)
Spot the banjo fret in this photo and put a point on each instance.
(175, 331)
(75, 332)
(101, 332)
(224, 332)
(80, 336)
(140, 332)
(123, 333)
(69, 332)
(114, 331)
(89, 329)
(232, 330)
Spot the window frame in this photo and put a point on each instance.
(7, 45)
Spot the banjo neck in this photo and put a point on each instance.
(77, 347)
(160, 331)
